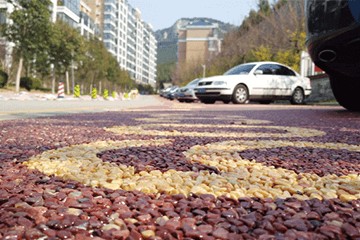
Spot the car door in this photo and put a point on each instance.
(265, 80)
(286, 78)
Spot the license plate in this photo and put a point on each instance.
(201, 90)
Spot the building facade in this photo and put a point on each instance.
(94, 10)
(130, 40)
(198, 41)
(68, 11)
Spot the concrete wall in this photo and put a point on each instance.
(321, 89)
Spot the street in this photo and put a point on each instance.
(13, 109)
(157, 169)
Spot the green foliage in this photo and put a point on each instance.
(264, 7)
(66, 45)
(77, 91)
(94, 93)
(145, 89)
(261, 53)
(106, 94)
(164, 73)
(113, 94)
(29, 31)
(166, 53)
(3, 78)
(97, 64)
(30, 28)
(30, 83)
(292, 56)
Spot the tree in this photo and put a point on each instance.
(29, 29)
(264, 7)
(261, 53)
(66, 46)
(164, 72)
(97, 66)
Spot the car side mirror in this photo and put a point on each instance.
(259, 72)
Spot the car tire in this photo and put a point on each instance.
(298, 97)
(346, 91)
(226, 101)
(240, 94)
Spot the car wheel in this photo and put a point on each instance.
(346, 91)
(240, 94)
(226, 101)
(298, 96)
(208, 101)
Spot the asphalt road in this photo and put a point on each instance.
(17, 109)
(32, 108)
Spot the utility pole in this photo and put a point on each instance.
(204, 70)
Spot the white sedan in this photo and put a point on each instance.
(260, 81)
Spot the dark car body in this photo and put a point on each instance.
(333, 41)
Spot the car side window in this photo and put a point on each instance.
(266, 69)
(283, 71)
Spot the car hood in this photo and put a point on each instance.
(221, 78)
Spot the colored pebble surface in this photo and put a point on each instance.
(205, 188)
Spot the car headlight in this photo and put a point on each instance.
(218, 83)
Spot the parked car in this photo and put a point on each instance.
(164, 92)
(171, 94)
(333, 30)
(261, 81)
(187, 94)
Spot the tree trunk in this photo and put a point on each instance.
(53, 81)
(67, 83)
(18, 75)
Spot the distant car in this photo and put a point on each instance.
(187, 94)
(261, 81)
(164, 92)
(171, 94)
(333, 41)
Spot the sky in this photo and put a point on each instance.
(164, 13)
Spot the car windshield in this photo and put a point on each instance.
(193, 82)
(240, 69)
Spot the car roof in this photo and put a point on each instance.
(263, 62)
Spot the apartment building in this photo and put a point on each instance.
(130, 40)
(198, 41)
(68, 11)
(94, 9)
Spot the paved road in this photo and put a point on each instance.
(16, 109)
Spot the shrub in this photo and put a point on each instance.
(3, 78)
(30, 83)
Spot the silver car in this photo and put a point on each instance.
(187, 94)
(260, 81)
